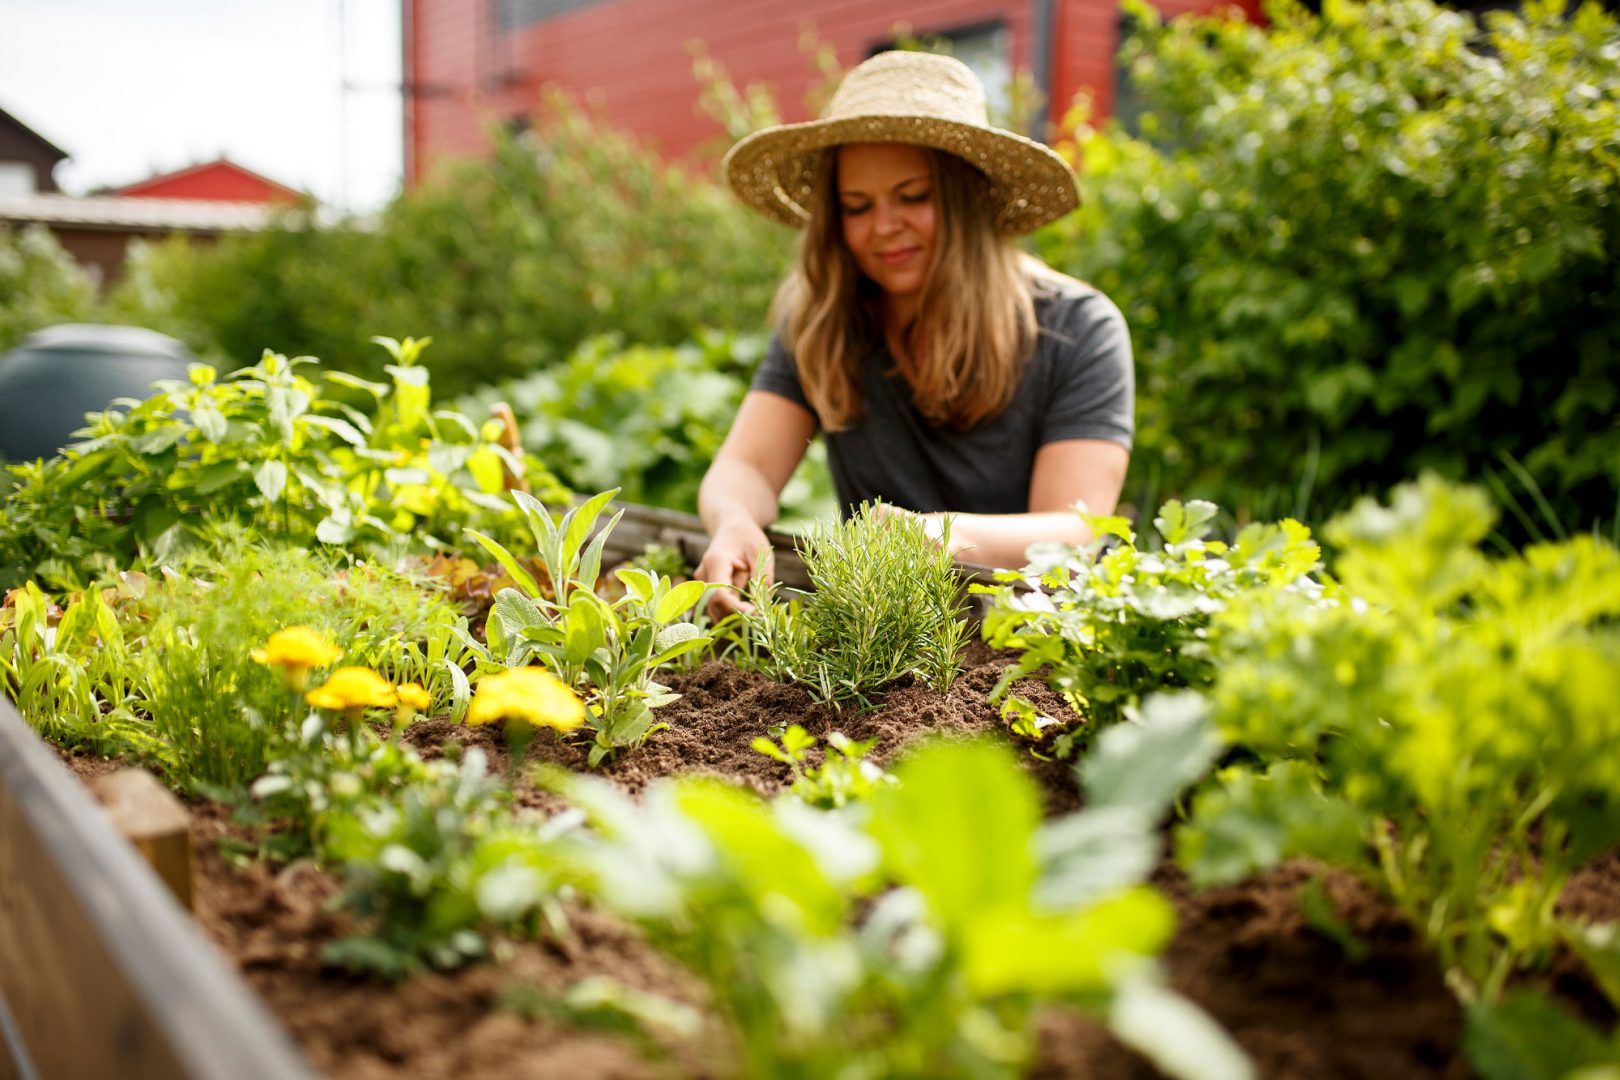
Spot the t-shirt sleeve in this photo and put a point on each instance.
(1093, 377)
(779, 374)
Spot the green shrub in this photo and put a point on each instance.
(566, 232)
(263, 446)
(40, 285)
(1361, 244)
(646, 419)
(1441, 723)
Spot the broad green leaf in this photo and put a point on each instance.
(1178, 522)
(959, 829)
(513, 568)
(1180, 1038)
(336, 528)
(341, 428)
(460, 691)
(1082, 952)
(578, 523)
(1527, 1037)
(638, 582)
(1143, 764)
(774, 870)
(486, 469)
(678, 600)
(586, 631)
(271, 479)
(209, 420)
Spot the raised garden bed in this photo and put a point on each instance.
(1287, 993)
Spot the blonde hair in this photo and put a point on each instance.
(975, 324)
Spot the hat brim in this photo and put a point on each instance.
(774, 170)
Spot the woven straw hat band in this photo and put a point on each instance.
(908, 97)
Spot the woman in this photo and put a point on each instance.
(949, 373)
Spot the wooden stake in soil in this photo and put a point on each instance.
(151, 818)
(510, 439)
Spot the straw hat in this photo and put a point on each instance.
(905, 97)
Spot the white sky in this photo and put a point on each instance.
(130, 89)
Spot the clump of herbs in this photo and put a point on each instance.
(888, 604)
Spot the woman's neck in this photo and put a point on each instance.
(897, 313)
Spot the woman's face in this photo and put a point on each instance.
(886, 212)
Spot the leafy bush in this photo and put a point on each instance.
(564, 233)
(1443, 725)
(261, 447)
(1110, 623)
(40, 285)
(1357, 245)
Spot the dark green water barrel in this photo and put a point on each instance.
(57, 375)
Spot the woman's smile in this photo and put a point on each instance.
(887, 214)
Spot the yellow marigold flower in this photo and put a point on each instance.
(413, 696)
(530, 695)
(296, 647)
(353, 688)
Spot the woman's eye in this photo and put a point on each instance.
(855, 211)
(914, 198)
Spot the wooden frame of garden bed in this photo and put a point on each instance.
(643, 525)
(102, 973)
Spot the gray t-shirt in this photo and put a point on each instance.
(1079, 384)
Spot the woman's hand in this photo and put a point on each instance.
(737, 498)
(734, 553)
(935, 526)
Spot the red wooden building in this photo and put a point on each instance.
(213, 181)
(471, 62)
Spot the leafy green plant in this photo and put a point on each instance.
(40, 285)
(1358, 244)
(888, 603)
(844, 775)
(428, 867)
(612, 650)
(923, 942)
(67, 670)
(646, 419)
(1110, 622)
(1442, 725)
(567, 231)
(262, 447)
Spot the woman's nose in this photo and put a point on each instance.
(887, 217)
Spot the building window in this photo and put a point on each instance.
(516, 14)
(16, 178)
(986, 48)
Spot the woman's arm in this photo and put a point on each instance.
(738, 496)
(1070, 471)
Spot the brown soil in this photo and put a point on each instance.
(1290, 996)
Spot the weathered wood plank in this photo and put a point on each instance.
(643, 525)
(101, 972)
(149, 816)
